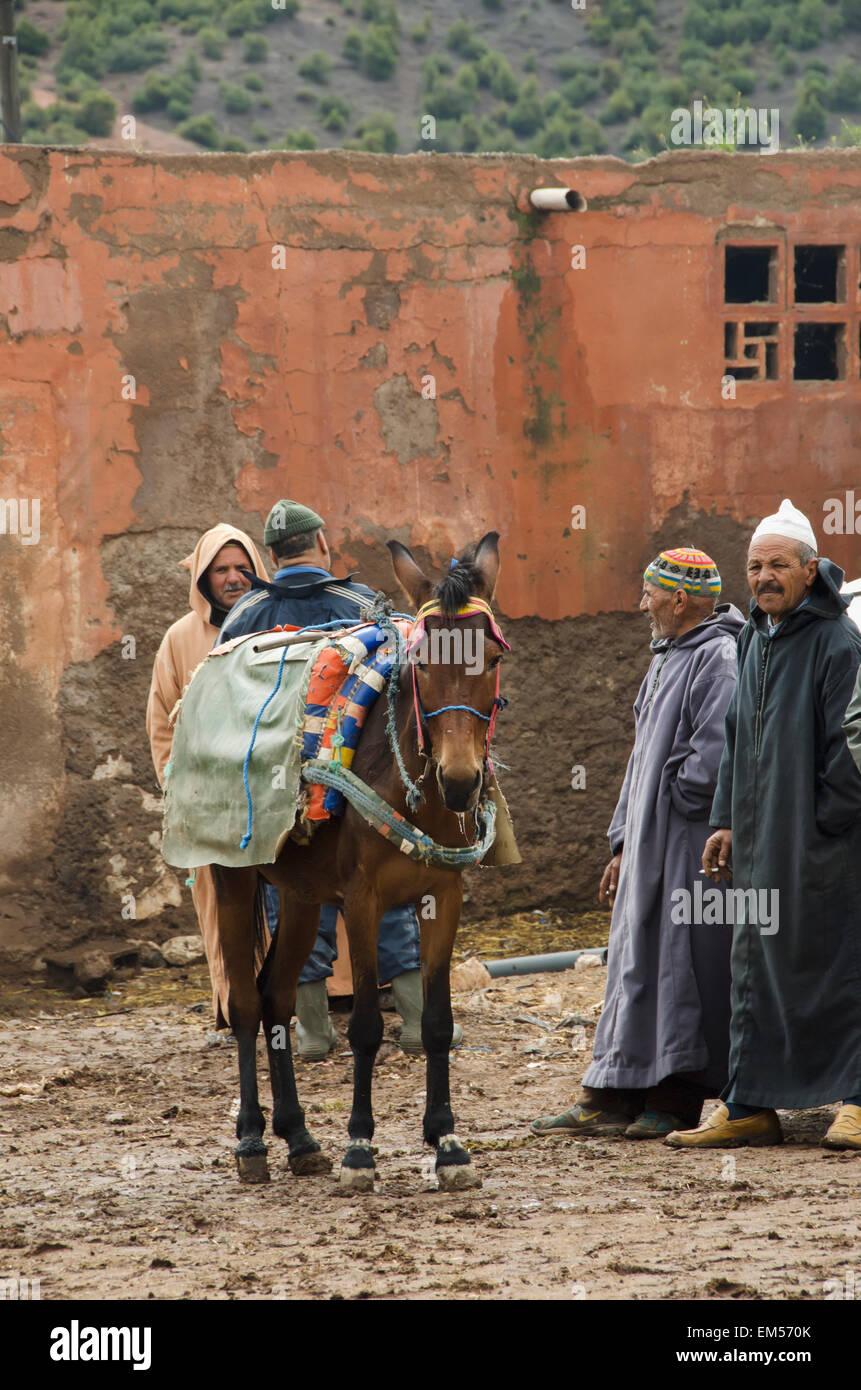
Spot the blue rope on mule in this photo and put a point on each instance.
(243, 843)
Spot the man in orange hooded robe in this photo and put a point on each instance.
(216, 584)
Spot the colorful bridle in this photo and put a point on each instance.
(434, 609)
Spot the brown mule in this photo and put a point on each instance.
(349, 863)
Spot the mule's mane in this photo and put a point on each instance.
(462, 580)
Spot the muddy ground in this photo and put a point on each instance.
(118, 1178)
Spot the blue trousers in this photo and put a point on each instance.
(397, 946)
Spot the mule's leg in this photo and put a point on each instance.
(362, 917)
(235, 890)
(293, 944)
(453, 1166)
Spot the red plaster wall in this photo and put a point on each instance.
(555, 386)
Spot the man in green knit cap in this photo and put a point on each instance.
(304, 593)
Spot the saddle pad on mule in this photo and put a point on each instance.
(205, 807)
(327, 687)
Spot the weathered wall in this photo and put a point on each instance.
(555, 387)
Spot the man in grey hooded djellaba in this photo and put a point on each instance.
(787, 812)
(662, 1041)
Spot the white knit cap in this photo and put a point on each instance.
(787, 521)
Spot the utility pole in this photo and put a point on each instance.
(10, 101)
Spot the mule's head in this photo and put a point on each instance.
(456, 663)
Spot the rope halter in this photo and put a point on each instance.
(434, 609)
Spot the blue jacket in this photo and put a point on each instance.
(299, 595)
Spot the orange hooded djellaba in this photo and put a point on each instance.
(183, 647)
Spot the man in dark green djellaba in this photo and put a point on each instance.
(787, 819)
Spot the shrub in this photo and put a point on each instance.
(530, 61)
(470, 134)
(378, 133)
(241, 17)
(379, 53)
(808, 118)
(178, 108)
(590, 137)
(255, 49)
(844, 91)
(259, 133)
(31, 39)
(97, 113)
(306, 95)
(82, 50)
(807, 24)
(316, 66)
(64, 132)
(620, 107)
(236, 99)
(448, 100)
(182, 9)
(421, 33)
(233, 144)
(191, 67)
(850, 11)
(580, 88)
(334, 113)
(435, 67)
(265, 103)
(33, 118)
(495, 71)
(142, 49)
(527, 114)
(555, 138)
(463, 40)
(352, 46)
(253, 81)
(202, 130)
(154, 95)
(300, 139)
(212, 42)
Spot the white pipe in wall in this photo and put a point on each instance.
(557, 200)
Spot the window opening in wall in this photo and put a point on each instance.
(751, 351)
(820, 352)
(820, 274)
(750, 274)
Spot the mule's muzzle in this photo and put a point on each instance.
(459, 793)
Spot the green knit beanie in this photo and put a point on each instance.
(288, 519)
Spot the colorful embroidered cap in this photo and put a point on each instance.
(687, 569)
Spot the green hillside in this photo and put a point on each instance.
(400, 75)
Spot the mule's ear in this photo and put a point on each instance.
(486, 561)
(411, 579)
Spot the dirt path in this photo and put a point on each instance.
(118, 1179)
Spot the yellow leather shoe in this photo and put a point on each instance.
(720, 1132)
(845, 1133)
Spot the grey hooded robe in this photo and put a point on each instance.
(666, 1008)
(791, 794)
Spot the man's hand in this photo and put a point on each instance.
(717, 854)
(607, 891)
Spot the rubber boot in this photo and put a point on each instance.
(315, 1036)
(409, 1000)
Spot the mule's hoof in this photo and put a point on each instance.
(457, 1177)
(357, 1179)
(252, 1167)
(307, 1164)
